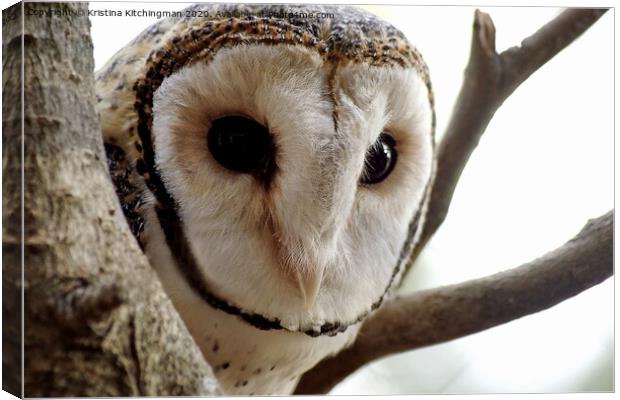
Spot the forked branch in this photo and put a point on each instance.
(449, 312)
(489, 79)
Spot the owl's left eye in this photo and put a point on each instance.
(380, 160)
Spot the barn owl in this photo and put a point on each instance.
(275, 167)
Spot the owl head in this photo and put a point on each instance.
(286, 158)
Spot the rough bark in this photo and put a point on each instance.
(11, 206)
(97, 322)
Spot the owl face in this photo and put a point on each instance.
(296, 178)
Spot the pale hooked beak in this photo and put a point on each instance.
(308, 282)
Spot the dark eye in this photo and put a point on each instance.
(380, 160)
(243, 145)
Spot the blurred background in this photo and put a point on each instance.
(543, 167)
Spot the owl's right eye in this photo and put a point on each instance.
(243, 145)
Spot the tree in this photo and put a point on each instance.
(96, 319)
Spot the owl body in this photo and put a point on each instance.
(279, 168)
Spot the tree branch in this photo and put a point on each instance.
(438, 315)
(97, 321)
(489, 79)
(450, 312)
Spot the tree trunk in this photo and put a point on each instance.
(97, 322)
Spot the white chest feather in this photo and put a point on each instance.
(246, 360)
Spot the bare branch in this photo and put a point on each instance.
(438, 315)
(489, 79)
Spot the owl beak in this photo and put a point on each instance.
(308, 282)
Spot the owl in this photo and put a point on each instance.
(274, 163)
